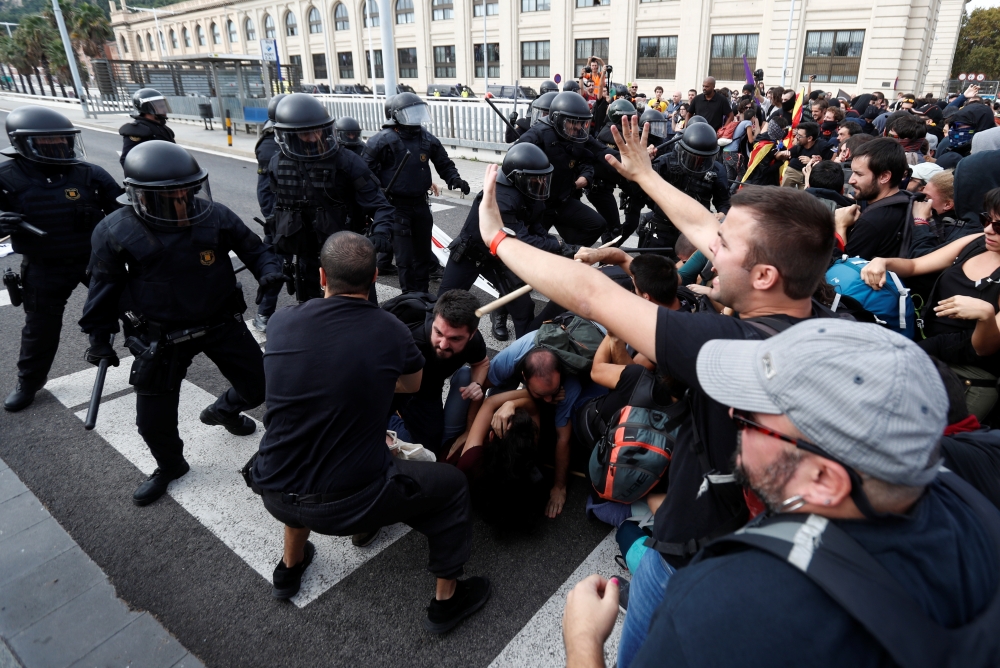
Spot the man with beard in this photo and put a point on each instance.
(770, 255)
(878, 168)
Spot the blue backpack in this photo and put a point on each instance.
(891, 306)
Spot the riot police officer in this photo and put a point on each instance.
(548, 86)
(264, 150)
(564, 136)
(150, 111)
(170, 252)
(349, 135)
(537, 110)
(403, 132)
(632, 197)
(47, 190)
(523, 185)
(316, 183)
(692, 168)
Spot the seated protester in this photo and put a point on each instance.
(845, 130)
(825, 181)
(920, 174)
(770, 253)
(654, 277)
(808, 149)
(546, 381)
(837, 474)
(695, 262)
(323, 464)
(501, 462)
(846, 155)
(448, 339)
(832, 118)
(911, 131)
(876, 229)
(934, 219)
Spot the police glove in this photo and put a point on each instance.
(269, 283)
(100, 349)
(568, 250)
(382, 243)
(10, 222)
(459, 184)
(513, 117)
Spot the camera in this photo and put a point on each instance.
(587, 70)
(758, 75)
(608, 69)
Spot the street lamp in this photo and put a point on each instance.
(70, 56)
(156, 20)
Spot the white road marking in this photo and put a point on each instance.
(442, 253)
(4, 298)
(539, 642)
(437, 206)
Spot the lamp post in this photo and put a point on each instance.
(71, 57)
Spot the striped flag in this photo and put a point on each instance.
(796, 117)
(760, 151)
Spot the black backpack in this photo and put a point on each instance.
(843, 569)
(413, 309)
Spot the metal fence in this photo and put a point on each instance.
(987, 89)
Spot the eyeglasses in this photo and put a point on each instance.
(743, 421)
(988, 221)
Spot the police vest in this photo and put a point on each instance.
(308, 210)
(67, 207)
(143, 129)
(265, 149)
(700, 187)
(414, 179)
(566, 157)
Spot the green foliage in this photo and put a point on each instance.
(978, 47)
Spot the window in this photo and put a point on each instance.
(291, 25)
(443, 10)
(187, 37)
(493, 59)
(592, 3)
(295, 60)
(269, 31)
(370, 11)
(535, 60)
(492, 7)
(404, 11)
(319, 65)
(534, 5)
(216, 34)
(585, 48)
(249, 30)
(726, 61)
(200, 34)
(657, 58)
(149, 41)
(378, 64)
(315, 22)
(345, 60)
(341, 22)
(163, 42)
(138, 40)
(231, 30)
(408, 63)
(444, 62)
(833, 56)
(173, 39)
(124, 45)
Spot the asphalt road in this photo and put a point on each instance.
(200, 574)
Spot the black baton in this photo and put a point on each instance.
(95, 395)
(500, 114)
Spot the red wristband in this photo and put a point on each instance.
(840, 242)
(500, 236)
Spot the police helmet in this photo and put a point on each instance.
(657, 122)
(166, 186)
(527, 168)
(348, 131)
(570, 116)
(540, 106)
(303, 128)
(695, 119)
(44, 135)
(697, 148)
(272, 106)
(619, 109)
(150, 101)
(548, 87)
(407, 110)
(571, 86)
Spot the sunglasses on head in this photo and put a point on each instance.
(988, 221)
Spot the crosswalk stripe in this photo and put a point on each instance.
(4, 298)
(439, 244)
(437, 206)
(539, 643)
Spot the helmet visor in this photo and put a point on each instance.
(349, 137)
(156, 106)
(58, 148)
(538, 114)
(308, 144)
(417, 114)
(535, 185)
(694, 163)
(576, 129)
(172, 206)
(658, 128)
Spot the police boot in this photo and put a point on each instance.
(498, 319)
(19, 399)
(239, 424)
(155, 485)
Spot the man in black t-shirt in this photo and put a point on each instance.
(332, 366)
(770, 254)
(876, 229)
(448, 339)
(808, 150)
(711, 106)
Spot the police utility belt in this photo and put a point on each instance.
(402, 200)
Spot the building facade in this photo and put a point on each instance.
(854, 45)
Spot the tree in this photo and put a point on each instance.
(90, 29)
(11, 54)
(33, 36)
(978, 47)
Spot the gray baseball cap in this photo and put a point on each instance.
(869, 397)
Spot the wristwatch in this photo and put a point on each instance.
(500, 236)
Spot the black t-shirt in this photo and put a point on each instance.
(618, 398)
(877, 233)
(822, 148)
(714, 111)
(437, 370)
(684, 515)
(331, 367)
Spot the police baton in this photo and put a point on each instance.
(28, 227)
(499, 113)
(95, 395)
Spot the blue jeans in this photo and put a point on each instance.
(426, 422)
(645, 593)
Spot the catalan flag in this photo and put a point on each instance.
(760, 151)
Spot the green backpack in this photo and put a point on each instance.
(573, 339)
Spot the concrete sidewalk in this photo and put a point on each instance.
(194, 136)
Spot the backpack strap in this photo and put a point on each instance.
(906, 233)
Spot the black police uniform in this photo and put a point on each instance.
(414, 224)
(521, 126)
(710, 188)
(632, 196)
(142, 129)
(470, 257)
(314, 200)
(179, 283)
(266, 149)
(66, 201)
(576, 222)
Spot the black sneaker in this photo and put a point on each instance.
(387, 270)
(365, 539)
(155, 485)
(470, 595)
(19, 399)
(623, 595)
(238, 424)
(288, 581)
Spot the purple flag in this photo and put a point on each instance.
(746, 67)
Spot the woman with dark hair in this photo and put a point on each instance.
(682, 116)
